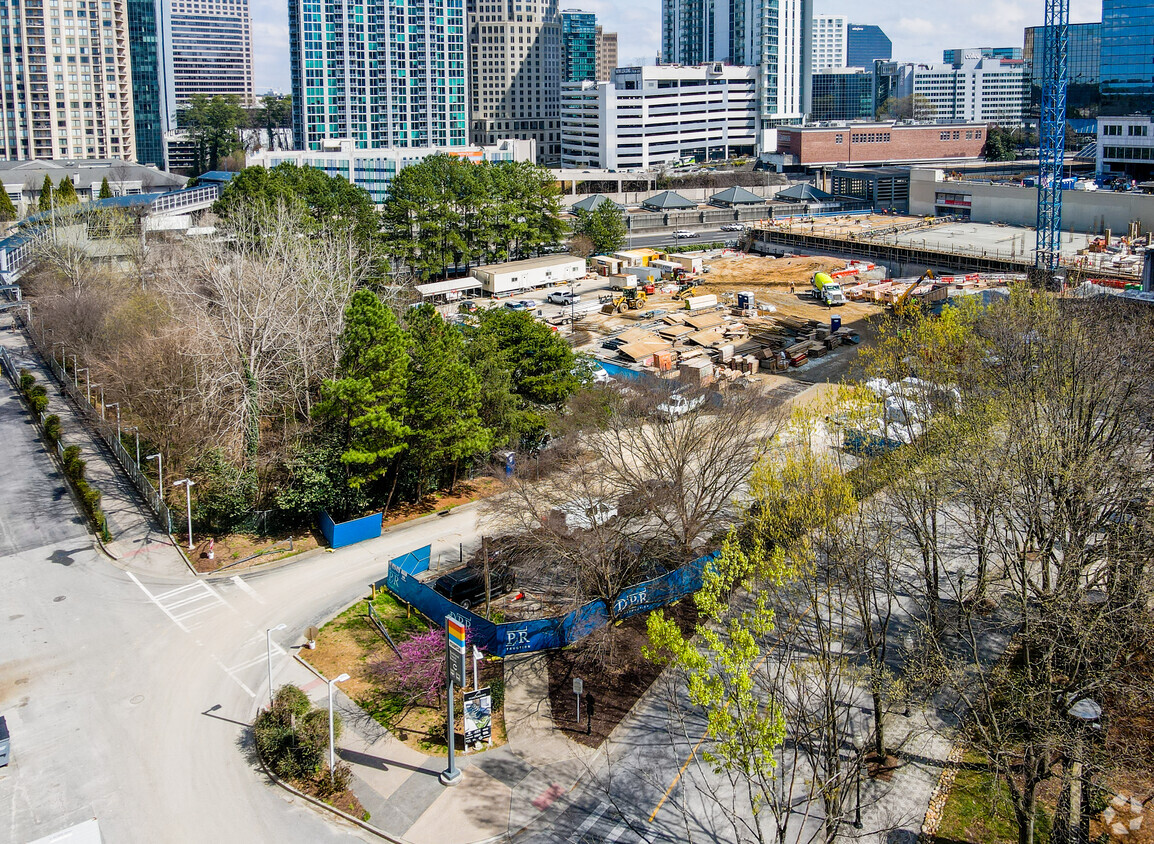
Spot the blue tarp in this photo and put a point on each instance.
(545, 633)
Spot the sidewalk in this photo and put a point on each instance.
(139, 544)
(502, 790)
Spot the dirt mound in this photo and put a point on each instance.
(755, 271)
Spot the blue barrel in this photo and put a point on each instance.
(834, 324)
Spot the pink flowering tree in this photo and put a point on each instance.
(419, 673)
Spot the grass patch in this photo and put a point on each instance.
(979, 811)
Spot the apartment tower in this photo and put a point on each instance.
(211, 48)
(67, 80)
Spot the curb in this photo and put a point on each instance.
(940, 794)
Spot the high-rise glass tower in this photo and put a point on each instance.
(389, 73)
(148, 91)
(1083, 63)
(1127, 56)
(578, 46)
(774, 35)
(866, 44)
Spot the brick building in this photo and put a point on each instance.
(879, 143)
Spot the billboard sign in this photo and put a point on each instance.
(478, 716)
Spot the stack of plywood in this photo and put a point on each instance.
(697, 371)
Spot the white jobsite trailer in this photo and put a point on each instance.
(503, 279)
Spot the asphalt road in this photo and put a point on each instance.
(127, 699)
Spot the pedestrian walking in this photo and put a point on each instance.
(791, 287)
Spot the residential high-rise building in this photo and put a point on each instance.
(1083, 59)
(843, 93)
(829, 41)
(149, 94)
(866, 44)
(1127, 56)
(578, 46)
(68, 95)
(773, 35)
(606, 54)
(650, 116)
(387, 75)
(515, 74)
(211, 44)
(960, 55)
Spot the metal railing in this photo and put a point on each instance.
(107, 432)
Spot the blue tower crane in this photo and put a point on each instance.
(1052, 140)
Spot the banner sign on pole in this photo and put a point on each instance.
(478, 716)
(455, 652)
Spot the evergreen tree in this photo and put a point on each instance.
(366, 403)
(604, 226)
(444, 397)
(105, 189)
(8, 211)
(66, 193)
(46, 194)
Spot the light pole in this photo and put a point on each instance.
(76, 372)
(332, 740)
(116, 404)
(268, 641)
(188, 485)
(159, 472)
(137, 432)
(101, 386)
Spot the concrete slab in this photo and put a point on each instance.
(476, 809)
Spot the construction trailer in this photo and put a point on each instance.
(515, 276)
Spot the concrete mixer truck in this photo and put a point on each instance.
(827, 290)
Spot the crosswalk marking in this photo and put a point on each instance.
(617, 831)
(248, 590)
(184, 602)
(589, 822)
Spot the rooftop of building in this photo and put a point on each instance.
(528, 263)
(84, 172)
(884, 124)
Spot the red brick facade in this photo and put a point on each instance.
(880, 143)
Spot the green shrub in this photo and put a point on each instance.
(89, 498)
(497, 689)
(52, 429)
(38, 398)
(292, 737)
(74, 467)
(329, 784)
(27, 379)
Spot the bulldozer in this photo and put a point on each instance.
(631, 298)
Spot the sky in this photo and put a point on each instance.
(919, 29)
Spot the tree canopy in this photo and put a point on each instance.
(604, 226)
(46, 194)
(446, 214)
(8, 211)
(66, 193)
(105, 189)
(212, 124)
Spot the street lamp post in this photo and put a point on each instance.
(332, 740)
(268, 641)
(137, 432)
(188, 485)
(159, 472)
(116, 404)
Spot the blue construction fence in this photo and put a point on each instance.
(340, 534)
(541, 634)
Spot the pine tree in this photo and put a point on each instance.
(46, 194)
(8, 211)
(444, 398)
(66, 193)
(367, 402)
(105, 189)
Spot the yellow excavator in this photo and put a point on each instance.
(901, 300)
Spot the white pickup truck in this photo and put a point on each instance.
(678, 405)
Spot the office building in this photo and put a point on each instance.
(1126, 147)
(843, 93)
(403, 92)
(989, 90)
(880, 143)
(211, 44)
(650, 116)
(829, 41)
(866, 44)
(1127, 68)
(1083, 58)
(606, 54)
(774, 35)
(578, 46)
(961, 55)
(70, 95)
(149, 94)
(375, 169)
(515, 74)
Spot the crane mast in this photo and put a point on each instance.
(1052, 140)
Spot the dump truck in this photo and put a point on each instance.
(827, 290)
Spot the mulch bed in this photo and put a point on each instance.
(614, 688)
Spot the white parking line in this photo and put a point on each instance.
(244, 587)
(589, 822)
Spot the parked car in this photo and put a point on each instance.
(678, 405)
(521, 305)
(733, 227)
(466, 587)
(563, 297)
(681, 234)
